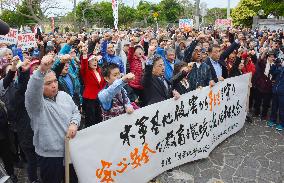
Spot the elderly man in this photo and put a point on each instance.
(53, 115)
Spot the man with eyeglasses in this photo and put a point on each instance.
(200, 75)
(156, 87)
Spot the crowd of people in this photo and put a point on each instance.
(71, 81)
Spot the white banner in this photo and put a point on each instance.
(10, 38)
(27, 40)
(115, 13)
(138, 147)
(183, 23)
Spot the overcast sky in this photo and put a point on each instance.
(210, 3)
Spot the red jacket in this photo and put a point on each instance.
(249, 67)
(91, 84)
(135, 66)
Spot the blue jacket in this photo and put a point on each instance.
(161, 51)
(73, 71)
(169, 70)
(277, 73)
(111, 58)
(73, 66)
(106, 95)
(65, 49)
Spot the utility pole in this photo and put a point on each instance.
(74, 5)
(197, 15)
(228, 9)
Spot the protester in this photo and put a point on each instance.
(5, 144)
(181, 70)
(263, 84)
(93, 82)
(67, 81)
(277, 72)
(217, 63)
(137, 62)
(108, 73)
(23, 124)
(7, 96)
(114, 100)
(169, 62)
(108, 53)
(156, 87)
(53, 115)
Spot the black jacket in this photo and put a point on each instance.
(4, 102)
(154, 89)
(177, 85)
(189, 51)
(23, 125)
(222, 62)
(3, 122)
(235, 70)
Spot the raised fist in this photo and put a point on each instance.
(128, 77)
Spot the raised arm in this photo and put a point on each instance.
(105, 96)
(23, 78)
(58, 67)
(34, 94)
(104, 49)
(67, 47)
(84, 62)
(10, 75)
(229, 50)
(131, 51)
(147, 78)
(190, 49)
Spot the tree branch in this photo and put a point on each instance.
(28, 16)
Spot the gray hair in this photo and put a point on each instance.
(170, 51)
(4, 51)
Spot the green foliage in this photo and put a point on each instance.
(144, 12)
(215, 13)
(126, 15)
(14, 19)
(245, 11)
(172, 10)
(273, 6)
(101, 13)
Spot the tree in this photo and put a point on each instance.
(85, 13)
(144, 11)
(126, 15)
(245, 11)
(188, 8)
(105, 13)
(13, 19)
(172, 10)
(36, 10)
(276, 7)
(215, 13)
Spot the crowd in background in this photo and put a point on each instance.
(46, 90)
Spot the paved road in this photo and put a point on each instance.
(253, 155)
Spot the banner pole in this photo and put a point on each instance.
(67, 160)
